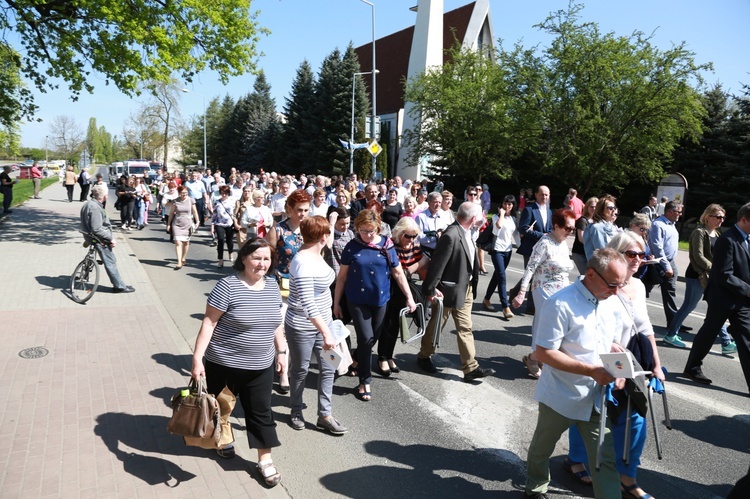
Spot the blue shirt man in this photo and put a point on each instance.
(663, 242)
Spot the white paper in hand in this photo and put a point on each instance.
(620, 365)
(332, 357)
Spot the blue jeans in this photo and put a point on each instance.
(140, 211)
(693, 294)
(110, 266)
(498, 281)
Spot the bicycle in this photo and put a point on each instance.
(85, 278)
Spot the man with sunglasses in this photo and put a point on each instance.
(576, 325)
(663, 242)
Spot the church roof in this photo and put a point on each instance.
(392, 57)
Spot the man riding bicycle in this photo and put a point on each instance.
(95, 224)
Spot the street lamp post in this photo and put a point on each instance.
(374, 72)
(205, 165)
(351, 137)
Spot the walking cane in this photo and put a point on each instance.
(602, 425)
(657, 386)
(438, 323)
(626, 446)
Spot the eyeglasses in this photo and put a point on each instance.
(411, 236)
(609, 284)
(471, 193)
(632, 254)
(569, 229)
(365, 232)
(612, 208)
(718, 217)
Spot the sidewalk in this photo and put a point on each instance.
(89, 418)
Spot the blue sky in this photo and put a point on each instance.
(311, 29)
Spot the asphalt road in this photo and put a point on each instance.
(436, 436)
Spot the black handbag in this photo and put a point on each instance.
(486, 239)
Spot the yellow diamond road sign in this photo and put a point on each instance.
(374, 148)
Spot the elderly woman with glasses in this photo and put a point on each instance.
(702, 242)
(599, 233)
(368, 263)
(549, 265)
(414, 263)
(637, 334)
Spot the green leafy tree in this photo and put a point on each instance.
(614, 108)
(474, 119)
(125, 42)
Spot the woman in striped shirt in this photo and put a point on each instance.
(240, 336)
(307, 323)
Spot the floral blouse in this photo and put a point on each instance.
(287, 244)
(549, 265)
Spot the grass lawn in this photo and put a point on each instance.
(24, 189)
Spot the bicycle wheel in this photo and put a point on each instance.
(84, 281)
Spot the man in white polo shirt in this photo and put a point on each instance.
(576, 325)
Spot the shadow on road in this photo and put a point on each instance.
(430, 472)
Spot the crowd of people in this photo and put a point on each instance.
(313, 249)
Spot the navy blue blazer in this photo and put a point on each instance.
(531, 228)
(729, 285)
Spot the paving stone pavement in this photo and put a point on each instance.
(89, 418)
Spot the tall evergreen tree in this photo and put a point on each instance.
(221, 122)
(300, 130)
(333, 93)
(350, 66)
(261, 127)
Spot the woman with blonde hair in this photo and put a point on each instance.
(702, 242)
(410, 207)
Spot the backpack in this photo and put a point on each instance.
(82, 181)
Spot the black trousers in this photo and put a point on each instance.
(69, 188)
(84, 192)
(126, 212)
(224, 234)
(200, 207)
(253, 388)
(739, 328)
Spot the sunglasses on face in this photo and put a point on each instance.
(410, 236)
(610, 285)
(633, 254)
(612, 208)
(471, 193)
(718, 217)
(569, 229)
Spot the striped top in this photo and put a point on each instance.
(309, 292)
(409, 256)
(243, 337)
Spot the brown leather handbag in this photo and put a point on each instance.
(195, 412)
